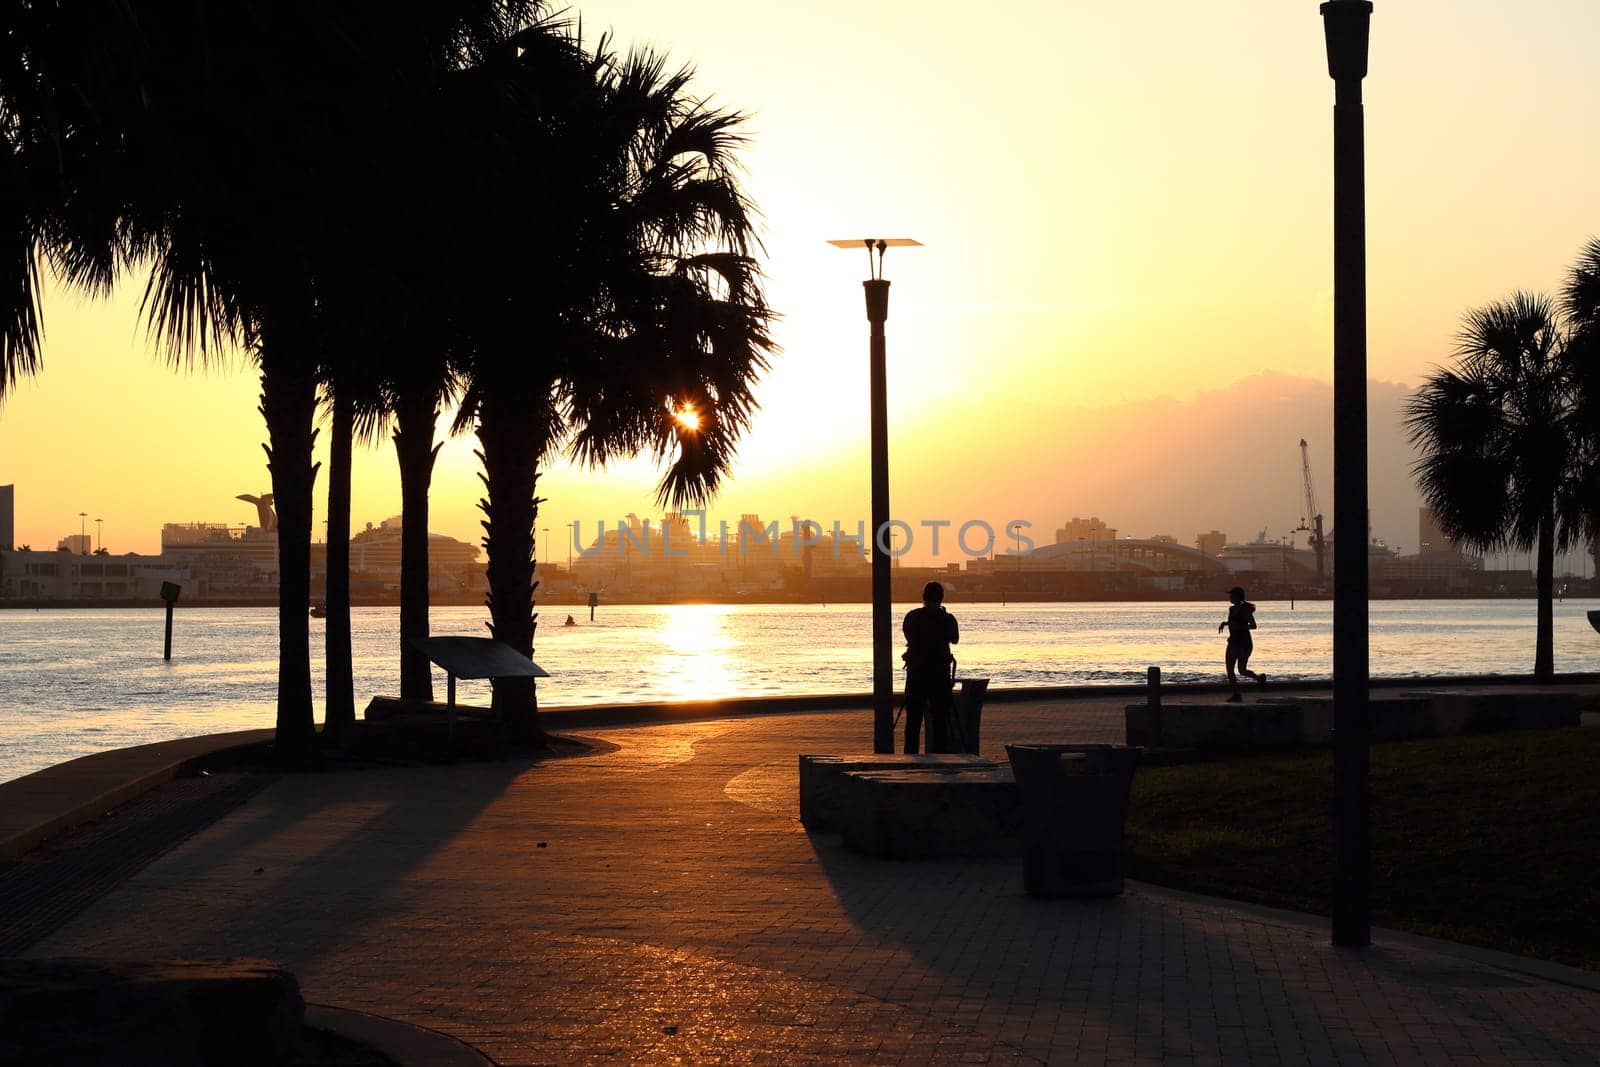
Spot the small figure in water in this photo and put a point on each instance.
(930, 631)
(1241, 620)
(570, 621)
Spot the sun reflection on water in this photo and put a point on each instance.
(694, 655)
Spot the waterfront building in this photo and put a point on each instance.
(1431, 539)
(8, 517)
(1273, 559)
(1211, 543)
(225, 560)
(1130, 555)
(375, 557)
(77, 544)
(65, 575)
(1090, 529)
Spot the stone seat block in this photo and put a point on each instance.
(1464, 711)
(1217, 726)
(1390, 718)
(822, 779)
(914, 814)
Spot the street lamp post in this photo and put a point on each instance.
(99, 535)
(877, 293)
(83, 532)
(1345, 24)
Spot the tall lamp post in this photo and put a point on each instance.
(83, 536)
(877, 292)
(1345, 23)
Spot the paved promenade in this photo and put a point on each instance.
(658, 902)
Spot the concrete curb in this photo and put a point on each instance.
(405, 1043)
(1544, 970)
(87, 787)
(569, 716)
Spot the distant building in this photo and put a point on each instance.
(375, 555)
(8, 517)
(1090, 529)
(754, 538)
(1427, 572)
(1129, 556)
(77, 544)
(1211, 543)
(67, 575)
(1163, 539)
(1431, 539)
(225, 560)
(1271, 558)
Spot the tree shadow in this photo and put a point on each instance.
(297, 872)
(1170, 975)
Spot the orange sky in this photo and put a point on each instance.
(1120, 202)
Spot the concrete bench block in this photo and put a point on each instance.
(822, 779)
(1219, 726)
(1389, 718)
(1461, 711)
(1139, 725)
(899, 814)
(180, 1012)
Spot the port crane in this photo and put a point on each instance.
(1311, 521)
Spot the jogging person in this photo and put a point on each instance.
(1241, 620)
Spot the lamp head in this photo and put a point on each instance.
(875, 244)
(1345, 24)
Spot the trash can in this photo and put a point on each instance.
(1074, 806)
(966, 714)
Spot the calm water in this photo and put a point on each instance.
(74, 682)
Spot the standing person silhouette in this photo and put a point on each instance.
(1241, 620)
(930, 631)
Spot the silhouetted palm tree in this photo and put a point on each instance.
(1501, 445)
(1581, 305)
(630, 320)
(50, 136)
(230, 149)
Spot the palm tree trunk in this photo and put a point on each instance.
(415, 416)
(340, 711)
(1544, 658)
(289, 403)
(509, 453)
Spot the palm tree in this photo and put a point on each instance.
(418, 396)
(630, 320)
(1501, 445)
(1581, 304)
(227, 149)
(49, 134)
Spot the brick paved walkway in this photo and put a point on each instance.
(660, 903)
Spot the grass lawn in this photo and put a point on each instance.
(1491, 840)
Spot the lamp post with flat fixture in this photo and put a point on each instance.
(877, 293)
(1345, 24)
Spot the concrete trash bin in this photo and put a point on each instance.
(966, 714)
(1074, 806)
